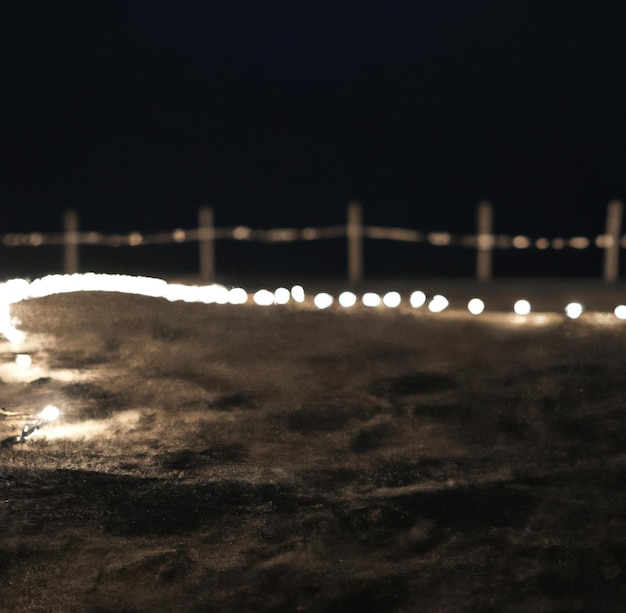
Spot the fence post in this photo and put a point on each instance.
(484, 241)
(354, 234)
(206, 242)
(70, 252)
(612, 237)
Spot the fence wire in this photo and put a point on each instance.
(286, 235)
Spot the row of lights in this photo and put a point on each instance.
(437, 304)
(17, 290)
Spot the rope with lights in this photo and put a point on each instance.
(47, 415)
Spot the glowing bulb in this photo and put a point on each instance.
(392, 299)
(23, 360)
(263, 297)
(574, 310)
(620, 311)
(237, 295)
(438, 304)
(418, 299)
(282, 295)
(522, 307)
(323, 300)
(475, 306)
(370, 299)
(347, 299)
(297, 293)
(49, 413)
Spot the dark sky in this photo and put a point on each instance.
(279, 112)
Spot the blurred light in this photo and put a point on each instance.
(438, 304)
(347, 299)
(179, 235)
(574, 310)
(263, 297)
(418, 299)
(392, 299)
(282, 295)
(323, 300)
(23, 360)
(558, 243)
(440, 239)
(522, 307)
(475, 306)
(620, 311)
(542, 243)
(579, 242)
(49, 413)
(297, 293)
(370, 299)
(237, 295)
(521, 242)
(242, 233)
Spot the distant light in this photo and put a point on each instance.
(179, 235)
(574, 310)
(49, 413)
(392, 299)
(242, 233)
(542, 243)
(237, 295)
(521, 242)
(558, 243)
(418, 299)
(323, 300)
(522, 307)
(475, 306)
(297, 293)
(347, 299)
(438, 304)
(370, 299)
(23, 360)
(620, 311)
(282, 295)
(263, 297)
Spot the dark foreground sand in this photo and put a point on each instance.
(220, 458)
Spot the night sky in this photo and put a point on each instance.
(278, 113)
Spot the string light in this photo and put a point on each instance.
(46, 415)
(347, 299)
(417, 299)
(522, 307)
(475, 306)
(392, 299)
(574, 310)
(438, 304)
(370, 299)
(323, 300)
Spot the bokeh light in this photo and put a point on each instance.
(438, 304)
(347, 299)
(370, 299)
(475, 306)
(392, 299)
(263, 297)
(323, 300)
(282, 295)
(418, 299)
(522, 307)
(574, 310)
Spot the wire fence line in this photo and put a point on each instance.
(484, 242)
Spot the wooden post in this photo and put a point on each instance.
(484, 240)
(354, 234)
(206, 241)
(612, 238)
(70, 227)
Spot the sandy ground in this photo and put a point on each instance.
(221, 458)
